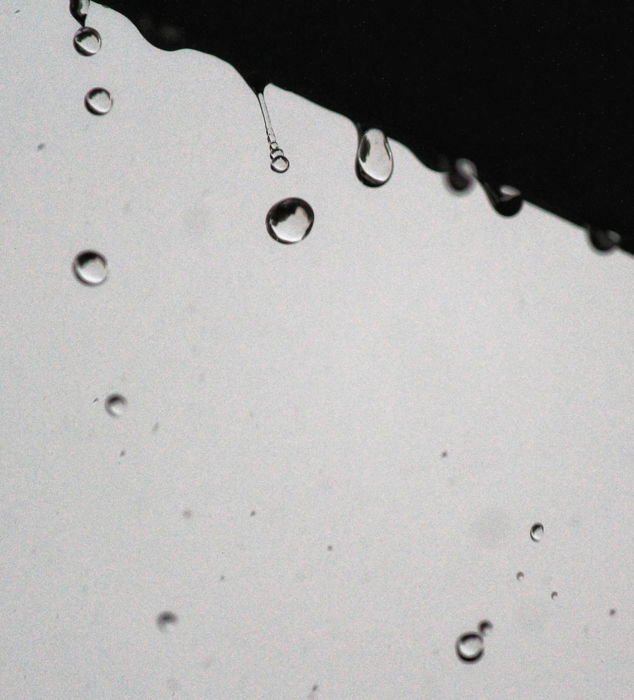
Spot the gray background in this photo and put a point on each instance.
(316, 384)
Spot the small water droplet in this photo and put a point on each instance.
(290, 220)
(87, 41)
(603, 240)
(536, 532)
(470, 647)
(166, 620)
(90, 268)
(79, 9)
(98, 101)
(116, 404)
(554, 595)
(41, 146)
(461, 175)
(506, 200)
(519, 575)
(374, 164)
(484, 627)
(280, 164)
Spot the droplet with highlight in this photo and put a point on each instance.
(290, 220)
(519, 575)
(87, 41)
(90, 268)
(461, 175)
(470, 647)
(98, 101)
(116, 405)
(506, 200)
(375, 163)
(536, 532)
(603, 240)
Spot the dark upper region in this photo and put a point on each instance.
(535, 97)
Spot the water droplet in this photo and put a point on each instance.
(603, 240)
(554, 595)
(279, 162)
(506, 200)
(519, 575)
(79, 9)
(375, 163)
(461, 175)
(116, 404)
(87, 41)
(41, 146)
(470, 647)
(484, 627)
(612, 612)
(166, 620)
(90, 268)
(98, 101)
(536, 532)
(290, 220)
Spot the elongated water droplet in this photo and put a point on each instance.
(90, 268)
(79, 9)
(470, 647)
(116, 405)
(506, 200)
(536, 532)
(602, 239)
(279, 162)
(461, 175)
(290, 220)
(375, 163)
(166, 620)
(98, 101)
(485, 627)
(87, 41)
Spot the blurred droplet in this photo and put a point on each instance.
(519, 575)
(470, 647)
(375, 163)
(554, 595)
(461, 175)
(290, 220)
(166, 620)
(90, 268)
(87, 41)
(98, 101)
(484, 627)
(79, 9)
(612, 612)
(536, 532)
(603, 240)
(506, 200)
(116, 404)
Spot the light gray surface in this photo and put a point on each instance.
(316, 384)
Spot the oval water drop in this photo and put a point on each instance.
(470, 647)
(603, 240)
(90, 268)
(505, 199)
(536, 532)
(98, 101)
(461, 175)
(290, 220)
(375, 163)
(87, 41)
(166, 620)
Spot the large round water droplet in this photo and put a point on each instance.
(506, 200)
(90, 267)
(98, 101)
(536, 532)
(290, 220)
(470, 647)
(375, 163)
(116, 405)
(603, 240)
(87, 41)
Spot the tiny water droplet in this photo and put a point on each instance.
(166, 620)
(98, 101)
(612, 612)
(506, 200)
(290, 220)
(536, 532)
(470, 647)
(461, 175)
(484, 627)
(90, 268)
(116, 404)
(519, 575)
(87, 41)
(375, 163)
(554, 595)
(79, 9)
(603, 240)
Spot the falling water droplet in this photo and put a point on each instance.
(87, 41)
(116, 404)
(603, 240)
(506, 200)
(470, 647)
(461, 175)
(166, 620)
(375, 163)
(484, 627)
(79, 9)
(98, 101)
(90, 268)
(279, 162)
(536, 532)
(519, 575)
(290, 220)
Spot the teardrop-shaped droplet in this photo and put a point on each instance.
(98, 101)
(90, 268)
(506, 200)
(470, 647)
(461, 175)
(279, 162)
(536, 532)
(602, 239)
(87, 41)
(290, 220)
(375, 163)
(79, 9)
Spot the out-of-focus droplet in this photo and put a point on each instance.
(166, 620)
(116, 405)
(98, 101)
(485, 627)
(461, 175)
(290, 220)
(519, 575)
(602, 239)
(90, 268)
(506, 200)
(87, 41)
(375, 163)
(79, 9)
(554, 595)
(470, 647)
(536, 532)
